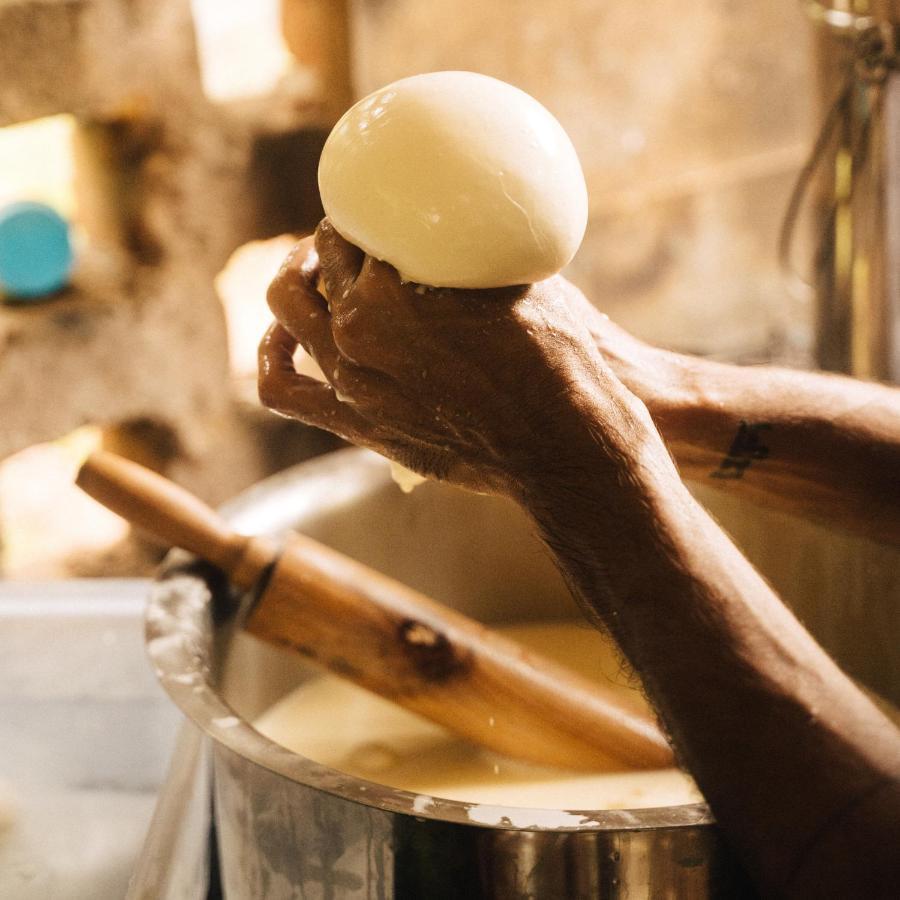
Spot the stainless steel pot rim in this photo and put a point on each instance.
(179, 640)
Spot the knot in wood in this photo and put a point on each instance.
(431, 653)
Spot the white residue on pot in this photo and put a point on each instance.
(524, 818)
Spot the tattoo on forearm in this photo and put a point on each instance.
(745, 448)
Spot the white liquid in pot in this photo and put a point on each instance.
(342, 726)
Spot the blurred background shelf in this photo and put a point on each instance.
(85, 745)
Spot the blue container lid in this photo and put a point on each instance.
(35, 250)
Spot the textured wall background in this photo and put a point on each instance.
(691, 120)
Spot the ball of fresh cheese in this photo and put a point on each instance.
(457, 180)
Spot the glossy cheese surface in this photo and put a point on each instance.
(457, 180)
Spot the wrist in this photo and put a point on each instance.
(665, 381)
(612, 450)
(673, 381)
(605, 519)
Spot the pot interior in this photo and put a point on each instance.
(474, 553)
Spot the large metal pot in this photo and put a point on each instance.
(289, 827)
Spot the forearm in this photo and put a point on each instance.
(780, 741)
(821, 446)
(787, 751)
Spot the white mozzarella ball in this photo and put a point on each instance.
(457, 180)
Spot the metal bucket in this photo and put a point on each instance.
(289, 827)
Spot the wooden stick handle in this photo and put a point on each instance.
(447, 667)
(169, 512)
(391, 639)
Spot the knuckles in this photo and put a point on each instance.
(352, 385)
(275, 295)
(270, 387)
(352, 335)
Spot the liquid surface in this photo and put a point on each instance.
(342, 726)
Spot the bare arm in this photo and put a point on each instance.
(505, 391)
(796, 765)
(821, 446)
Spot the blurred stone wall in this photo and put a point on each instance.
(168, 180)
(691, 121)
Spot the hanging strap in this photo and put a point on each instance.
(875, 56)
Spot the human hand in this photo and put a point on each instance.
(483, 388)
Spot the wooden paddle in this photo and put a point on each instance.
(390, 639)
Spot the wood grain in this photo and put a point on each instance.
(392, 640)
